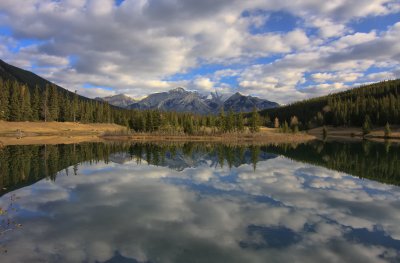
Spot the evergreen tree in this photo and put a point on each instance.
(53, 103)
(267, 120)
(285, 127)
(149, 122)
(254, 121)
(230, 121)
(188, 125)
(366, 128)
(35, 104)
(221, 121)
(240, 122)
(15, 103)
(26, 109)
(75, 106)
(44, 106)
(4, 100)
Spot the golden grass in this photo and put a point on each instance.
(35, 140)
(25, 133)
(46, 128)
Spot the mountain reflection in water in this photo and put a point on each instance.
(198, 202)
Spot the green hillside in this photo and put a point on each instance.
(379, 101)
(14, 74)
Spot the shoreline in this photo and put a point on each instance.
(355, 134)
(258, 138)
(262, 137)
(30, 133)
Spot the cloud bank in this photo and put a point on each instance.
(280, 50)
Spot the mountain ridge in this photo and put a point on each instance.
(119, 100)
(182, 100)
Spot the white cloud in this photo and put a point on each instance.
(204, 84)
(134, 47)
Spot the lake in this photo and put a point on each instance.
(199, 202)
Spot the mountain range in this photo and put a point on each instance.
(182, 160)
(181, 100)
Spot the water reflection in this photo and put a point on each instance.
(199, 203)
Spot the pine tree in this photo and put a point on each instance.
(230, 121)
(240, 122)
(366, 128)
(75, 106)
(4, 100)
(254, 121)
(15, 103)
(221, 121)
(44, 106)
(53, 103)
(26, 108)
(35, 104)
(285, 127)
(188, 125)
(149, 122)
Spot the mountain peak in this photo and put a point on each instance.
(121, 95)
(237, 94)
(239, 102)
(119, 100)
(178, 89)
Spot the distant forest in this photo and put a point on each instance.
(378, 102)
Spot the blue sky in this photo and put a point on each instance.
(279, 50)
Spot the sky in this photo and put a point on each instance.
(283, 51)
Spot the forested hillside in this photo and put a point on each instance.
(19, 102)
(379, 102)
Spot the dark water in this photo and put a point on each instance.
(193, 202)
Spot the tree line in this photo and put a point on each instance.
(19, 102)
(23, 165)
(376, 104)
(375, 161)
(26, 164)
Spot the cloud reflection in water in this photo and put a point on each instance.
(285, 211)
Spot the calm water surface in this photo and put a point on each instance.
(317, 202)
